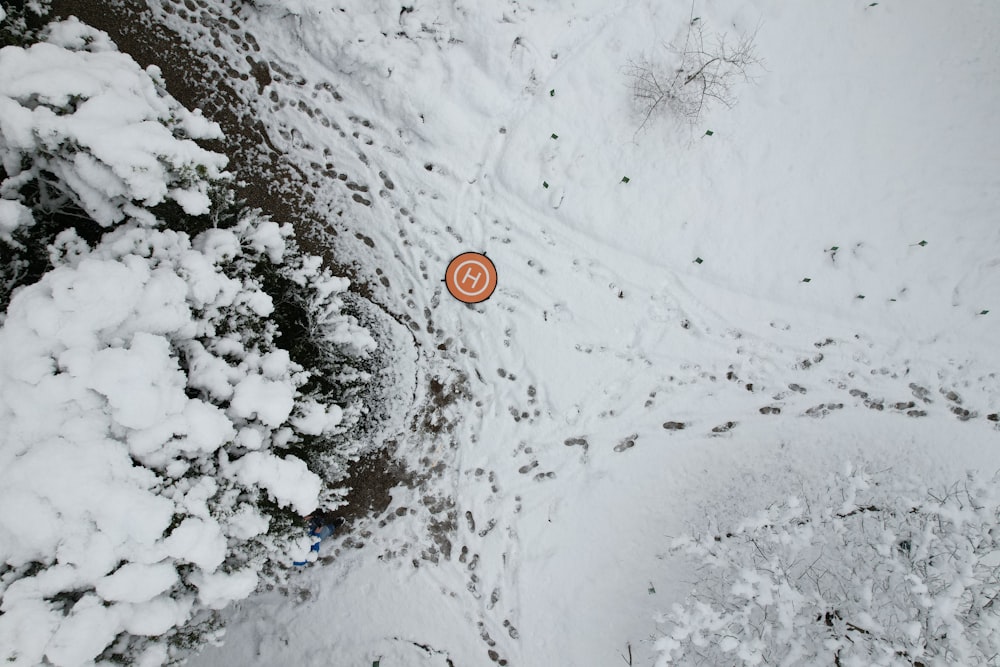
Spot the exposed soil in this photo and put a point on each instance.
(370, 480)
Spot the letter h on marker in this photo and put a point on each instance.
(468, 276)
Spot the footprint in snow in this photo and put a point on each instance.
(556, 197)
(724, 428)
(963, 414)
(626, 443)
(875, 404)
(920, 393)
(805, 364)
(823, 409)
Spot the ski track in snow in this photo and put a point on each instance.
(574, 420)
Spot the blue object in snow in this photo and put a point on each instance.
(303, 563)
(322, 532)
(319, 531)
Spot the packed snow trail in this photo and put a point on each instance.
(615, 389)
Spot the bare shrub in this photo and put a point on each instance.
(700, 72)
(870, 569)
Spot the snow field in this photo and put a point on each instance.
(869, 129)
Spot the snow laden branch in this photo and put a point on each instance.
(146, 413)
(163, 426)
(85, 122)
(701, 72)
(872, 571)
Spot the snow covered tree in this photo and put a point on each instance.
(174, 398)
(871, 571)
(20, 22)
(87, 136)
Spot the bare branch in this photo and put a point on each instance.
(694, 75)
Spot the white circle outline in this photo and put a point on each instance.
(482, 267)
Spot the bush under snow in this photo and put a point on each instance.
(872, 571)
(86, 135)
(81, 120)
(158, 437)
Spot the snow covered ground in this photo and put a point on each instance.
(615, 391)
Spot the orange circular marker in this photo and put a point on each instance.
(471, 277)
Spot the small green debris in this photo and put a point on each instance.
(555, 136)
(922, 244)
(552, 93)
(709, 133)
(807, 280)
(873, 4)
(376, 663)
(891, 299)
(834, 248)
(695, 20)
(651, 590)
(698, 260)
(983, 312)
(625, 179)
(860, 296)
(545, 184)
